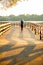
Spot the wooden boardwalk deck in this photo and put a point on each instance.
(20, 48)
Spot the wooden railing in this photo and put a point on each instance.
(4, 27)
(38, 29)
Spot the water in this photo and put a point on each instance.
(24, 21)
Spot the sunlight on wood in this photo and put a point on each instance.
(18, 51)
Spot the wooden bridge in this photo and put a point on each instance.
(21, 48)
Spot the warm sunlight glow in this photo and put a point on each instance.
(24, 7)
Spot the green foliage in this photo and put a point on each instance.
(24, 17)
(9, 3)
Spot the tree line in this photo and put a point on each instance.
(24, 17)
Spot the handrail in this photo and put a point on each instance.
(4, 27)
(38, 29)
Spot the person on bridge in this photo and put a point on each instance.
(22, 23)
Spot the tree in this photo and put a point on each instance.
(9, 3)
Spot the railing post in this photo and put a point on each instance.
(32, 28)
(30, 25)
(35, 31)
(40, 33)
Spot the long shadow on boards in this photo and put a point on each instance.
(24, 56)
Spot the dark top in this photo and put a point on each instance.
(21, 23)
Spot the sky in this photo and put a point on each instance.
(24, 7)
